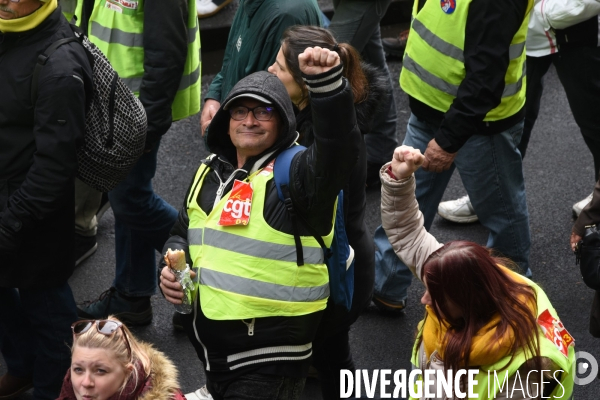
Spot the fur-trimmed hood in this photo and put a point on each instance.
(163, 376)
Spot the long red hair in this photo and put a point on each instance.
(469, 276)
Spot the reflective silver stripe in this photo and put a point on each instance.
(259, 248)
(448, 88)
(134, 84)
(437, 43)
(264, 360)
(428, 77)
(264, 290)
(269, 350)
(450, 50)
(114, 35)
(192, 34)
(194, 236)
(279, 353)
(68, 6)
(515, 50)
(190, 79)
(514, 88)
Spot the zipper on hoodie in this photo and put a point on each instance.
(196, 332)
(250, 326)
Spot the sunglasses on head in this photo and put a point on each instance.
(104, 326)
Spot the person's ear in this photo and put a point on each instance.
(129, 368)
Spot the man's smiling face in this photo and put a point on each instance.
(252, 136)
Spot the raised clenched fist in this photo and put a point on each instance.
(316, 60)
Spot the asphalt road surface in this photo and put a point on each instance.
(558, 172)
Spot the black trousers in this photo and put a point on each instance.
(579, 72)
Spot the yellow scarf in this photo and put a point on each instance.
(30, 21)
(484, 350)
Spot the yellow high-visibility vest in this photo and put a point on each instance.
(117, 26)
(433, 65)
(488, 386)
(250, 271)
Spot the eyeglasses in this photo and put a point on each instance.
(261, 113)
(104, 326)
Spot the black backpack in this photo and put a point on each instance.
(115, 122)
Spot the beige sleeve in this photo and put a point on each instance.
(403, 222)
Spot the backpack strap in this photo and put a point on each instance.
(281, 169)
(41, 61)
(281, 174)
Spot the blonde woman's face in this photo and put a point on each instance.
(96, 374)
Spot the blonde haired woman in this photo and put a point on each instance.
(109, 363)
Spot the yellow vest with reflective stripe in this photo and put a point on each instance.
(488, 390)
(250, 271)
(433, 65)
(117, 26)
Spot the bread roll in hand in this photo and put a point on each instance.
(175, 259)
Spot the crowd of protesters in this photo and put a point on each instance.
(261, 315)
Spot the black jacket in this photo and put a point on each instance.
(37, 154)
(355, 202)
(316, 177)
(591, 215)
(583, 34)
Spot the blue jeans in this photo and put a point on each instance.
(357, 22)
(35, 335)
(143, 221)
(257, 387)
(492, 172)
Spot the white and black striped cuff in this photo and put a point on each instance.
(325, 82)
(269, 354)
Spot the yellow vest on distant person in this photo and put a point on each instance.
(117, 26)
(250, 271)
(433, 65)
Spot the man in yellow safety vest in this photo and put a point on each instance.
(464, 73)
(260, 302)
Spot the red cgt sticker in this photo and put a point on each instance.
(555, 331)
(238, 206)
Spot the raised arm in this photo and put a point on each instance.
(400, 215)
(319, 173)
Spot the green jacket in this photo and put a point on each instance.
(255, 38)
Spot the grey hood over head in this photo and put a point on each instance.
(263, 84)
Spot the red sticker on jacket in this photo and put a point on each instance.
(555, 331)
(237, 207)
(268, 169)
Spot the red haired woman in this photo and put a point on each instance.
(480, 315)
